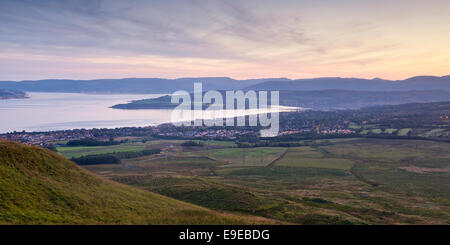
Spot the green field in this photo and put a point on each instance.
(376, 131)
(135, 145)
(346, 181)
(293, 160)
(307, 157)
(404, 131)
(390, 130)
(239, 157)
(78, 151)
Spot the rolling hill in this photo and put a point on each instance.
(38, 186)
(319, 99)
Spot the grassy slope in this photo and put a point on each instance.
(40, 187)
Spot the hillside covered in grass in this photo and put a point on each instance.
(38, 186)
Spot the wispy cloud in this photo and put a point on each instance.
(95, 38)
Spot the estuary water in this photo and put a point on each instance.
(58, 111)
(61, 111)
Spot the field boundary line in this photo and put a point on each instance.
(278, 158)
(361, 178)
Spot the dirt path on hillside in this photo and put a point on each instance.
(361, 178)
(278, 158)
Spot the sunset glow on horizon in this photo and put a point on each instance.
(239, 39)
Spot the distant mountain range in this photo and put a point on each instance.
(160, 85)
(132, 85)
(358, 84)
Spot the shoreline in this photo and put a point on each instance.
(136, 126)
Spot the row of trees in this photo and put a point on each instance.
(112, 158)
(192, 143)
(91, 142)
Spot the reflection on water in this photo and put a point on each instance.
(57, 111)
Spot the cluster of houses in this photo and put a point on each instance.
(163, 130)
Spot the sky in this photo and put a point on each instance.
(90, 39)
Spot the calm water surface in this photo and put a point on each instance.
(58, 111)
